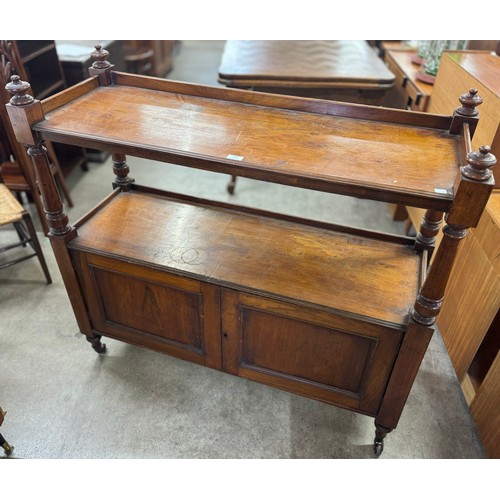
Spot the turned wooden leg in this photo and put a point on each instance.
(378, 443)
(95, 341)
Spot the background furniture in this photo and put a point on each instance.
(148, 57)
(343, 70)
(408, 92)
(244, 290)
(11, 212)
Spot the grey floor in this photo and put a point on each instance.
(65, 401)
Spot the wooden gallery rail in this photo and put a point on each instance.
(338, 314)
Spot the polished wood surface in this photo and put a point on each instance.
(255, 277)
(169, 313)
(329, 357)
(320, 148)
(338, 271)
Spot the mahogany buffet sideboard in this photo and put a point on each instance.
(342, 315)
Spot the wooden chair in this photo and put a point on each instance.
(8, 449)
(16, 170)
(138, 57)
(12, 212)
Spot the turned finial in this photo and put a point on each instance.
(479, 164)
(99, 55)
(469, 102)
(19, 91)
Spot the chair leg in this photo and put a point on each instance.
(20, 233)
(36, 246)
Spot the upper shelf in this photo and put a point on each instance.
(364, 151)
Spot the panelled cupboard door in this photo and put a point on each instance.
(306, 351)
(147, 307)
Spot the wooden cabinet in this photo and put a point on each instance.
(338, 314)
(42, 66)
(408, 92)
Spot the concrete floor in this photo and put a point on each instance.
(65, 401)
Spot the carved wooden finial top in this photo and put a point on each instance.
(479, 164)
(19, 91)
(99, 55)
(469, 102)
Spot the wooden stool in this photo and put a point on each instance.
(12, 212)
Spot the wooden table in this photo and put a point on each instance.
(338, 314)
(343, 70)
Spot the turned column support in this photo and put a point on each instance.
(121, 170)
(430, 298)
(53, 206)
(476, 184)
(24, 111)
(426, 237)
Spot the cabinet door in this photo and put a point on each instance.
(152, 308)
(309, 352)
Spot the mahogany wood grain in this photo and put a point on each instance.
(68, 274)
(68, 95)
(327, 357)
(168, 313)
(192, 264)
(331, 150)
(320, 106)
(410, 356)
(363, 277)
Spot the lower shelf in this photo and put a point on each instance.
(265, 298)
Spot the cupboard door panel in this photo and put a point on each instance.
(173, 314)
(306, 351)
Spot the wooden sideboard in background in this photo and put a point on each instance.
(408, 92)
